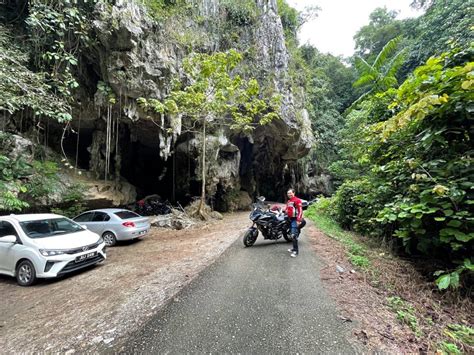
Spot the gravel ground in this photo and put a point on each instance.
(94, 309)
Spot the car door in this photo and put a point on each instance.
(84, 219)
(98, 222)
(7, 250)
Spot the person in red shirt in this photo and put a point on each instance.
(294, 210)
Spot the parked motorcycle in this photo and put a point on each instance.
(152, 207)
(272, 224)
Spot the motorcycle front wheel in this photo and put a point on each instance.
(250, 237)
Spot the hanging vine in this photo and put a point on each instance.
(107, 97)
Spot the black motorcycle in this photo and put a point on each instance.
(272, 224)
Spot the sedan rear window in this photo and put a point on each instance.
(49, 227)
(126, 214)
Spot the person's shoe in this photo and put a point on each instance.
(290, 250)
(294, 254)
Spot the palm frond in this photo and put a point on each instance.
(396, 63)
(387, 51)
(364, 80)
(363, 68)
(357, 102)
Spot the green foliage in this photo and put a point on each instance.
(160, 10)
(107, 93)
(381, 74)
(433, 171)
(444, 25)
(320, 214)
(382, 28)
(461, 334)
(448, 348)
(26, 182)
(217, 94)
(59, 32)
(22, 182)
(43, 179)
(240, 13)
(72, 202)
(359, 261)
(292, 20)
(328, 93)
(405, 313)
(450, 279)
(324, 206)
(289, 19)
(415, 164)
(11, 175)
(38, 74)
(356, 205)
(460, 339)
(23, 88)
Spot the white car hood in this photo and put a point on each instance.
(67, 241)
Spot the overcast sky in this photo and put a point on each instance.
(339, 20)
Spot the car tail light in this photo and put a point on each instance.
(128, 224)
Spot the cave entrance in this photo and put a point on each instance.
(172, 179)
(143, 168)
(76, 146)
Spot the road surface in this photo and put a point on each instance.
(251, 300)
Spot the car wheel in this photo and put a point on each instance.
(109, 239)
(25, 273)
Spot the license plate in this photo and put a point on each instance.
(85, 256)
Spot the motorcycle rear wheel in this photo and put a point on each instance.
(287, 235)
(250, 237)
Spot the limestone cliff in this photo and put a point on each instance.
(137, 54)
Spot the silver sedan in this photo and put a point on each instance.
(114, 224)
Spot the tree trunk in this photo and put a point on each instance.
(203, 187)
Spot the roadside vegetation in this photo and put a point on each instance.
(434, 320)
(394, 134)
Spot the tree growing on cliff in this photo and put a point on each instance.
(214, 95)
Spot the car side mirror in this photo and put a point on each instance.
(83, 226)
(8, 239)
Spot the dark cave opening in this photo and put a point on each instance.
(76, 147)
(172, 179)
(143, 168)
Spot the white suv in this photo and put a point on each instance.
(45, 245)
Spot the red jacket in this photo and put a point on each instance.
(294, 208)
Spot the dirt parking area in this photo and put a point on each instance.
(96, 308)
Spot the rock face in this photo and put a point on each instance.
(139, 57)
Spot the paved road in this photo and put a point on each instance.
(254, 300)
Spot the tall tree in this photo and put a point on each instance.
(382, 28)
(214, 95)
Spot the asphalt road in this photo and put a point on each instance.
(255, 300)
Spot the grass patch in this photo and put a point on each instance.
(460, 337)
(356, 252)
(405, 314)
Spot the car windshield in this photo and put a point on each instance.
(49, 227)
(126, 214)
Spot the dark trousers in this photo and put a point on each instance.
(295, 233)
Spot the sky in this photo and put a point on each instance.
(339, 20)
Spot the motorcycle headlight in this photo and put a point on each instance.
(46, 252)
